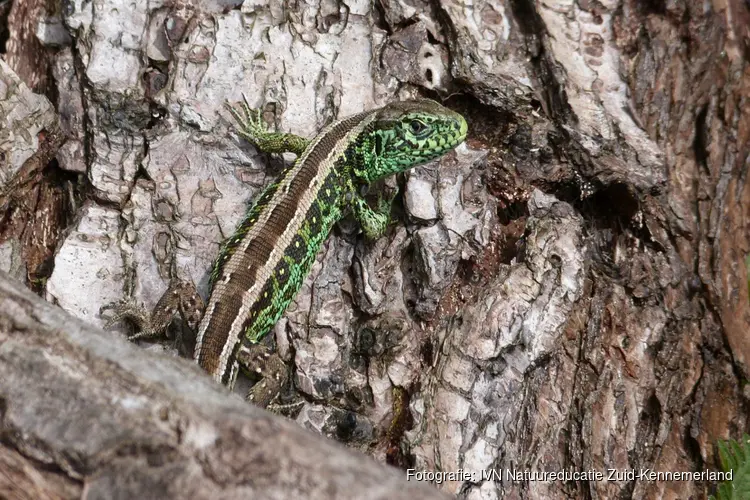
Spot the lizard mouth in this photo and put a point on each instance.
(459, 128)
(463, 129)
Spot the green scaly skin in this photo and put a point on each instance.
(414, 139)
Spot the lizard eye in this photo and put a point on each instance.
(417, 127)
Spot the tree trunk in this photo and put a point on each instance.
(567, 291)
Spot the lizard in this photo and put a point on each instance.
(262, 265)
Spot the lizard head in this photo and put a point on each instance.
(409, 133)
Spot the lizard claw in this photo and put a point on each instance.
(115, 306)
(125, 309)
(250, 124)
(251, 115)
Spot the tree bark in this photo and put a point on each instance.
(567, 291)
(87, 414)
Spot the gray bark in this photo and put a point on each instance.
(568, 290)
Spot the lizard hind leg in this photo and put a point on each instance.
(258, 360)
(180, 297)
(129, 310)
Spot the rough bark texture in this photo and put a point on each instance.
(568, 290)
(84, 414)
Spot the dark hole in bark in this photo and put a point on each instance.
(654, 7)
(4, 34)
(345, 426)
(615, 200)
(426, 352)
(700, 142)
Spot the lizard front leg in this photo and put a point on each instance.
(373, 222)
(251, 127)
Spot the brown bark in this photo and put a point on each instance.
(569, 291)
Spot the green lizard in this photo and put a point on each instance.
(261, 267)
